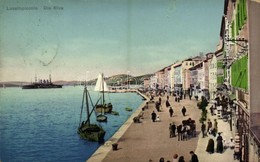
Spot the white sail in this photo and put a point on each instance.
(100, 84)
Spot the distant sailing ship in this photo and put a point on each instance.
(86, 130)
(101, 87)
(41, 84)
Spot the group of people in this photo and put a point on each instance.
(211, 146)
(211, 129)
(176, 158)
(185, 130)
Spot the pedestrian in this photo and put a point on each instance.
(147, 105)
(219, 143)
(178, 98)
(167, 103)
(181, 159)
(153, 116)
(210, 146)
(170, 130)
(171, 111)
(161, 159)
(160, 101)
(175, 158)
(179, 131)
(157, 106)
(183, 110)
(211, 110)
(203, 128)
(190, 96)
(194, 157)
(209, 126)
(173, 129)
(215, 125)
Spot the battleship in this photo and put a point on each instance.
(41, 84)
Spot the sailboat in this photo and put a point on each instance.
(101, 87)
(86, 130)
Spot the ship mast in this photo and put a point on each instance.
(87, 106)
(103, 91)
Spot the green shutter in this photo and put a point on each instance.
(245, 10)
(239, 73)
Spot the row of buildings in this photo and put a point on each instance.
(233, 68)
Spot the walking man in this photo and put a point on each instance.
(173, 129)
(179, 131)
(216, 125)
(170, 129)
(167, 103)
(171, 111)
(153, 116)
(209, 126)
(183, 110)
(203, 128)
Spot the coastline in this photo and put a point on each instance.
(103, 150)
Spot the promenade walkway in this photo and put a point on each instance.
(227, 154)
(141, 142)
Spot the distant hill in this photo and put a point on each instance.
(119, 79)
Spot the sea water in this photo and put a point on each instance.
(41, 124)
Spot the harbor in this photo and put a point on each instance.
(42, 119)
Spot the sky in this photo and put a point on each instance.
(77, 39)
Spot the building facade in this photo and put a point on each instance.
(242, 71)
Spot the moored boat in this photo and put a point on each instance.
(101, 86)
(87, 130)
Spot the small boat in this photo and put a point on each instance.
(41, 84)
(101, 87)
(101, 118)
(86, 130)
(128, 109)
(115, 113)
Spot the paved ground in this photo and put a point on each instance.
(140, 142)
(227, 155)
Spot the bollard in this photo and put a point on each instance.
(114, 146)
